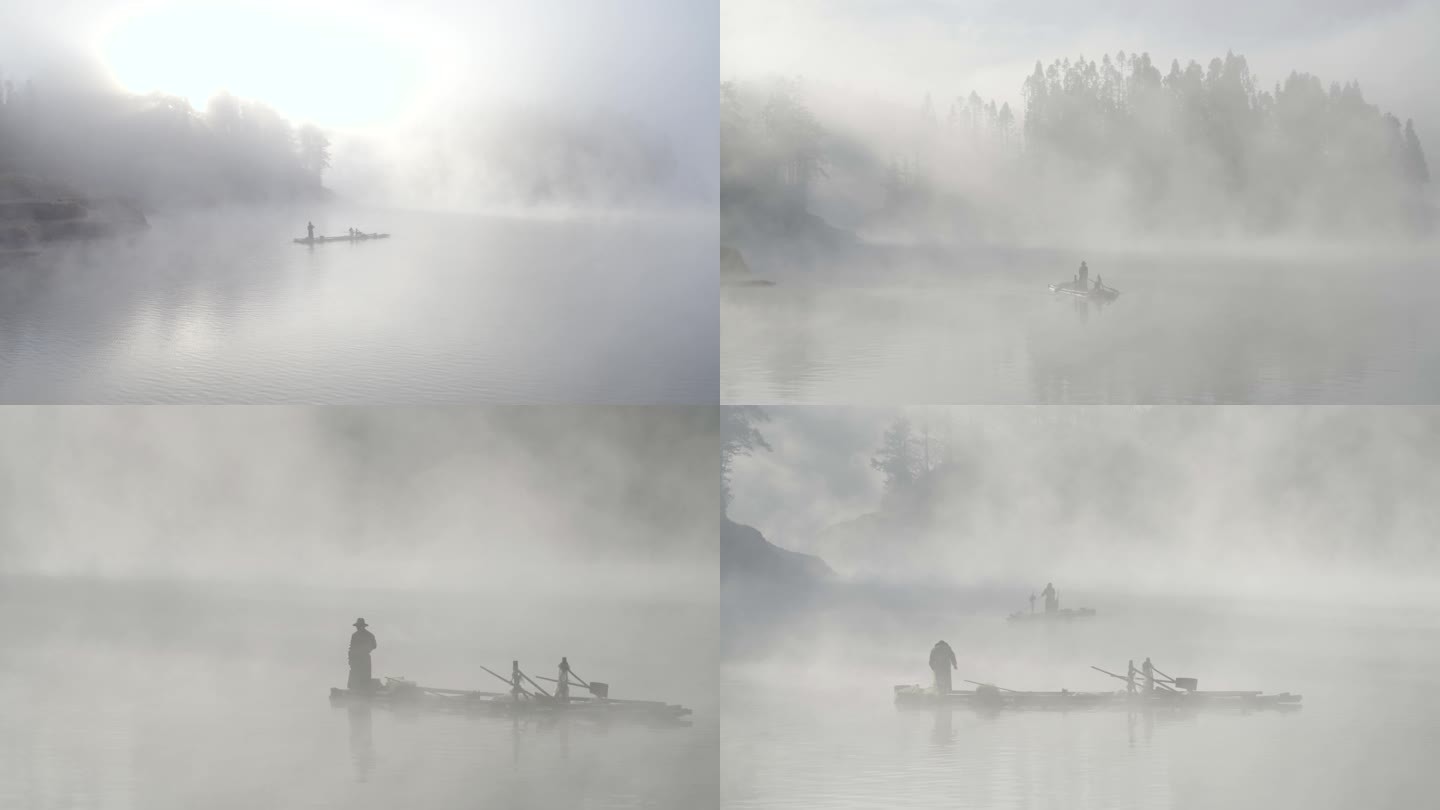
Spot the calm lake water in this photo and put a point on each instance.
(814, 725)
(223, 307)
(1184, 330)
(169, 696)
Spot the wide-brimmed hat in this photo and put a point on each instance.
(360, 623)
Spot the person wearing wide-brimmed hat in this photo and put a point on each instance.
(362, 643)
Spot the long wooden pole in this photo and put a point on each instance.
(504, 679)
(1156, 669)
(1111, 674)
(1167, 677)
(1127, 680)
(537, 686)
(993, 686)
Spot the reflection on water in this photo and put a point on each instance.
(813, 725)
(224, 307)
(362, 741)
(1182, 331)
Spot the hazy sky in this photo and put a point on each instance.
(902, 49)
(549, 497)
(381, 67)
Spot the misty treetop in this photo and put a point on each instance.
(1347, 481)
(157, 148)
(739, 436)
(1212, 140)
(1188, 151)
(772, 149)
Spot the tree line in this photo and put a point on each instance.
(1189, 149)
(1212, 141)
(772, 151)
(155, 148)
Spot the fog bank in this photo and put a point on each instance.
(1281, 502)
(524, 500)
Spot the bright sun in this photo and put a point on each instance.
(325, 65)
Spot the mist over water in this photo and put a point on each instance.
(971, 327)
(222, 307)
(903, 193)
(1273, 549)
(809, 720)
(169, 695)
(157, 159)
(189, 615)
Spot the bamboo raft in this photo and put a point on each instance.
(1052, 616)
(914, 696)
(521, 700)
(1170, 694)
(1094, 294)
(359, 237)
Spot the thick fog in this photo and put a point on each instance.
(435, 105)
(1263, 549)
(191, 578)
(1058, 124)
(1314, 503)
(591, 500)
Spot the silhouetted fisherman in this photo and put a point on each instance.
(1051, 601)
(310, 231)
(362, 643)
(562, 689)
(1130, 677)
(1149, 670)
(1032, 602)
(516, 689)
(942, 660)
(1099, 285)
(1084, 276)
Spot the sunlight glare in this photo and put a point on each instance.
(333, 68)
